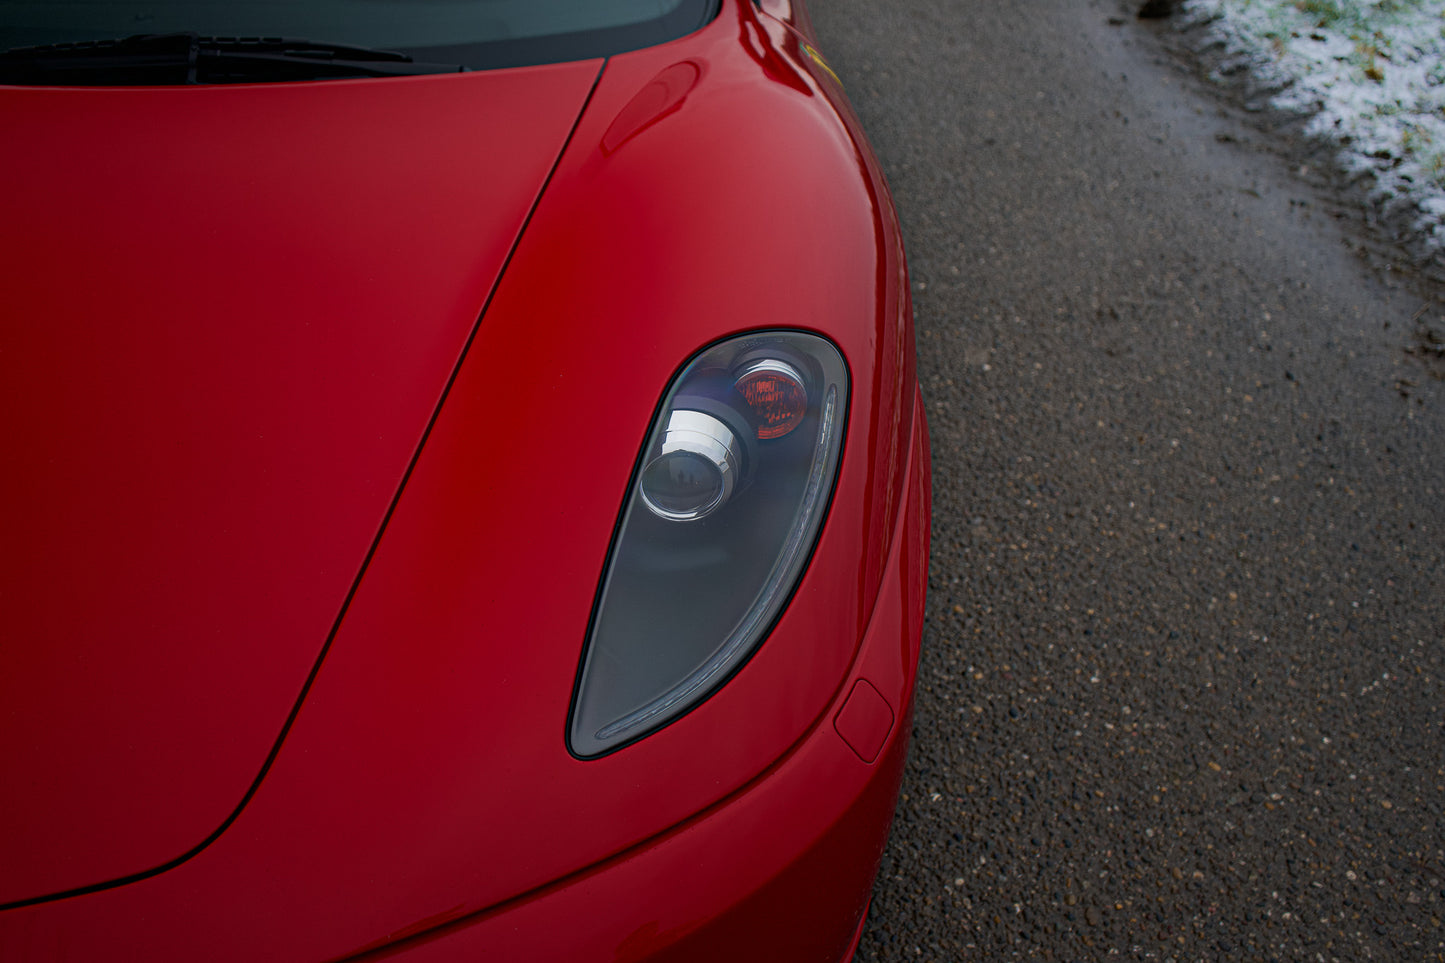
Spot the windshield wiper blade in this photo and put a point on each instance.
(186, 58)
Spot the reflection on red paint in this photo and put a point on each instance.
(662, 96)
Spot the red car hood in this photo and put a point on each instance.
(229, 316)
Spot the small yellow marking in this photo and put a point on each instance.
(818, 59)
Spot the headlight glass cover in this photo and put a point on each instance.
(725, 505)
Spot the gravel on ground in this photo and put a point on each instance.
(1181, 691)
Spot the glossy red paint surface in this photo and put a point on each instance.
(865, 721)
(812, 826)
(713, 185)
(790, 12)
(229, 314)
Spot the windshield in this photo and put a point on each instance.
(473, 33)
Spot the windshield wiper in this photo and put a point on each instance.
(186, 58)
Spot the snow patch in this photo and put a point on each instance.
(1370, 74)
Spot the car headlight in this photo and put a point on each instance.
(725, 506)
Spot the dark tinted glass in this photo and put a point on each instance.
(476, 33)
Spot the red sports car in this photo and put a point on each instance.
(466, 491)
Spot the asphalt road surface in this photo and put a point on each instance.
(1181, 690)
